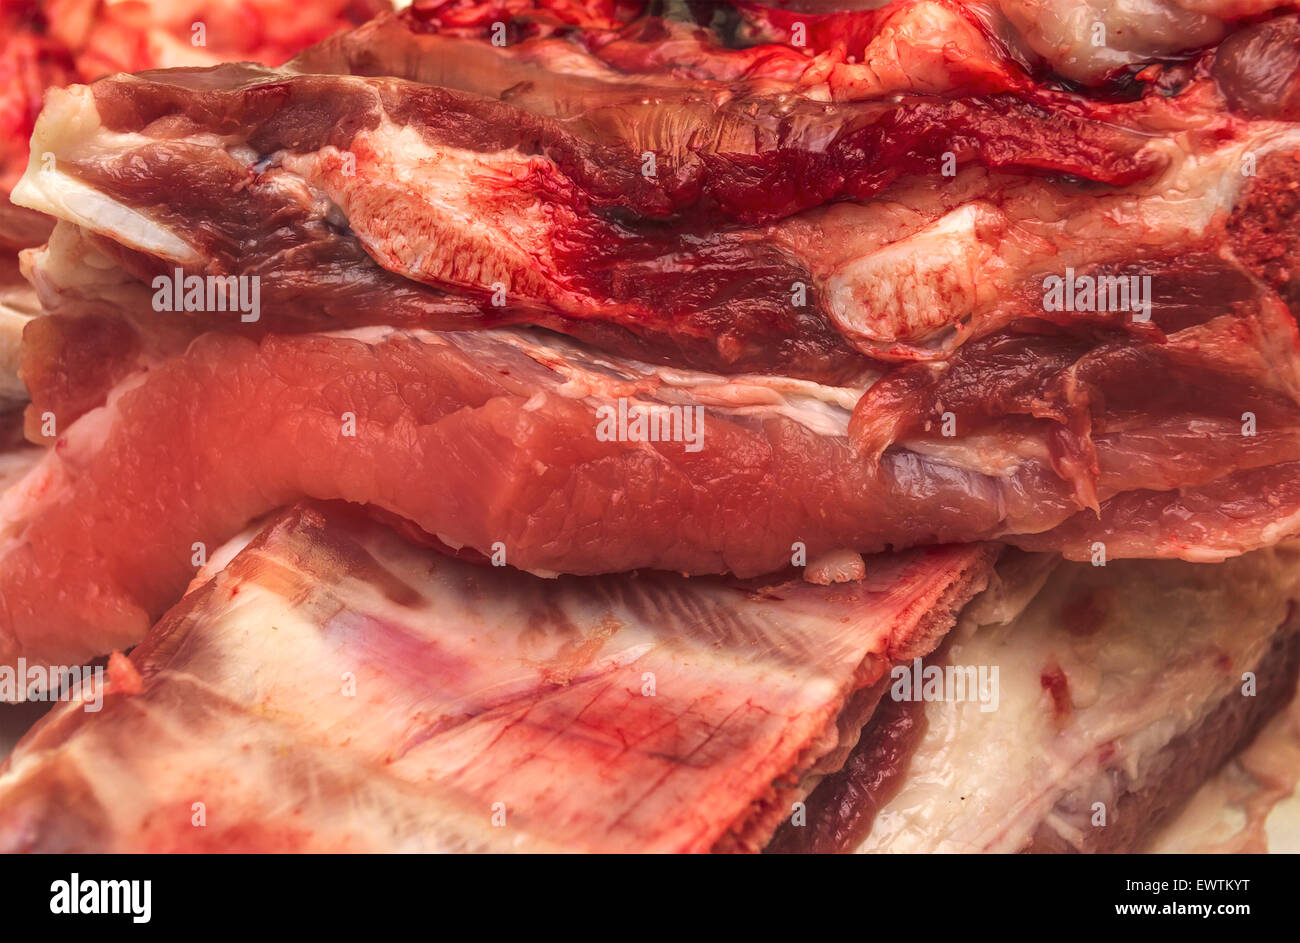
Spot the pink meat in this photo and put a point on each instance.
(491, 440)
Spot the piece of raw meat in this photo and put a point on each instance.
(335, 688)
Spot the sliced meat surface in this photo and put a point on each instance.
(48, 44)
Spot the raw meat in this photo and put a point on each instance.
(1119, 690)
(437, 705)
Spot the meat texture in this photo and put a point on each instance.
(51, 43)
(337, 689)
(833, 291)
(521, 443)
(1095, 42)
(1119, 690)
(652, 215)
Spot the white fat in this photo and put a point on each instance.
(1085, 41)
(57, 194)
(997, 456)
(1288, 526)
(372, 333)
(921, 283)
(986, 780)
(822, 408)
(221, 557)
(584, 373)
(1251, 804)
(836, 566)
(69, 129)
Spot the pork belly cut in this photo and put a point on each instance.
(1119, 691)
(335, 688)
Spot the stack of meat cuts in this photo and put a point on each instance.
(588, 425)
